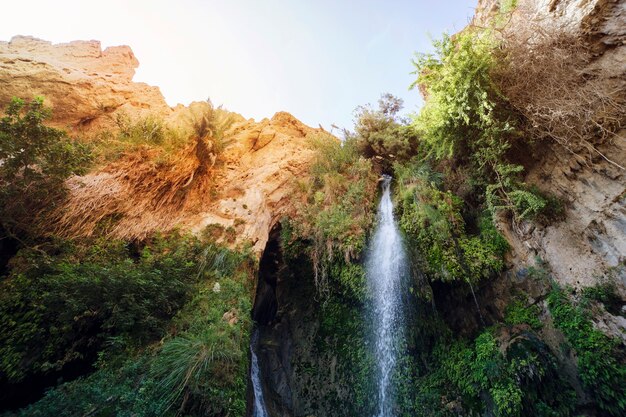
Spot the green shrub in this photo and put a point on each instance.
(351, 280)
(382, 134)
(36, 161)
(55, 310)
(601, 360)
(522, 381)
(124, 392)
(605, 292)
(339, 207)
(465, 118)
(195, 296)
(517, 312)
(433, 220)
(151, 131)
(458, 117)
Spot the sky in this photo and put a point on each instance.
(317, 59)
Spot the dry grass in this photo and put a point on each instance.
(548, 79)
(147, 189)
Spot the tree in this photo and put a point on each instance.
(382, 132)
(35, 161)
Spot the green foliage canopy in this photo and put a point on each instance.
(35, 162)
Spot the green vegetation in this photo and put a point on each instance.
(381, 134)
(338, 209)
(206, 364)
(155, 327)
(605, 292)
(601, 359)
(58, 308)
(124, 391)
(433, 220)
(523, 380)
(114, 301)
(344, 333)
(160, 327)
(517, 312)
(466, 118)
(36, 161)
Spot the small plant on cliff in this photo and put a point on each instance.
(35, 161)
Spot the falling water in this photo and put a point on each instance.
(386, 268)
(255, 375)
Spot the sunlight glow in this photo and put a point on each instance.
(316, 59)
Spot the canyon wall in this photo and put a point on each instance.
(90, 89)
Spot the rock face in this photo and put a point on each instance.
(85, 86)
(258, 182)
(88, 88)
(591, 240)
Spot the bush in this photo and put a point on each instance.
(382, 134)
(605, 292)
(521, 381)
(36, 161)
(518, 313)
(338, 209)
(458, 117)
(123, 392)
(194, 297)
(62, 309)
(464, 118)
(433, 220)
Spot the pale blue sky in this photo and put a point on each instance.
(316, 59)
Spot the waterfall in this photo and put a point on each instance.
(386, 268)
(258, 409)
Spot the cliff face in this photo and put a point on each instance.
(88, 89)
(591, 239)
(85, 86)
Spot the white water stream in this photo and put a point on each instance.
(386, 268)
(259, 403)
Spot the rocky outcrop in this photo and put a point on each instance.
(85, 86)
(252, 181)
(258, 183)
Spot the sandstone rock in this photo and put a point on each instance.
(85, 86)
(257, 186)
(88, 88)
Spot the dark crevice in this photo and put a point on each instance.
(265, 302)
